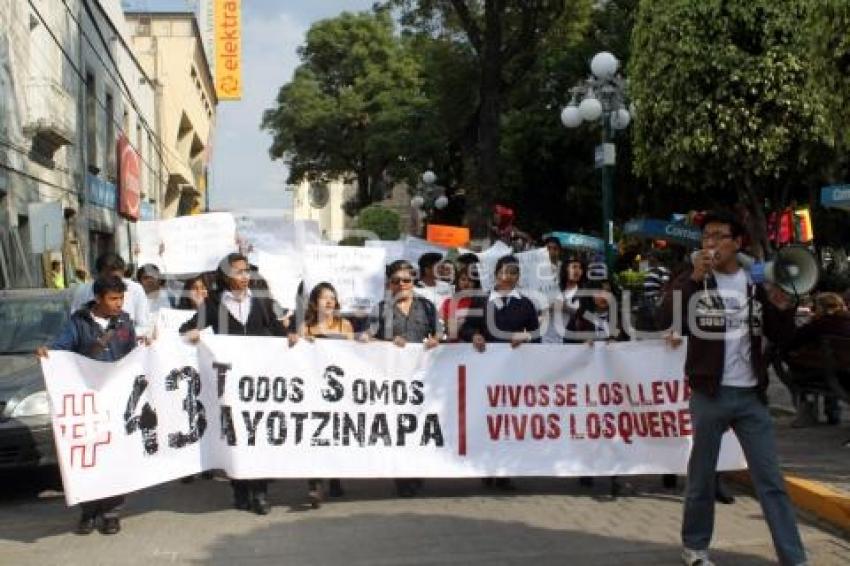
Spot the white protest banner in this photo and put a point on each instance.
(272, 231)
(538, 277)
(283, 271)
(356, 273)
(259, 409)
(169, 321)
(189, 244)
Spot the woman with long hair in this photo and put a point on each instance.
(322, 320)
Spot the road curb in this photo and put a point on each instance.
(814, 497)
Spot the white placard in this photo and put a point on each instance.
(169, 321)
(394, 248)
(357, 274)
(259, 409)
(188, 244)
(271, 231)
(283, 271)
(415, 247)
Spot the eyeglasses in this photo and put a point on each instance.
(398, 280)
(716, 236)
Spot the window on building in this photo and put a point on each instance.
(91, 125)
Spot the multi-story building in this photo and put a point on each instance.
(170, 48)
(72, 94)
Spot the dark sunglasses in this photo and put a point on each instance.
(397, 280)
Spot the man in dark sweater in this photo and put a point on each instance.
(102, 331)
(238, 311)
(725, 315)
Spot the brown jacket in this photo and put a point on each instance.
(706, 354)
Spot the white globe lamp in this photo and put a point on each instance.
(590, 109)
(429, 178)
(441, 202)
(604, 65)
(570, 116)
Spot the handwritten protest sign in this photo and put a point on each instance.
(189, 244)
(358, 274)
(271, 231)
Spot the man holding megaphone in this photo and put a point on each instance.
(725, 313)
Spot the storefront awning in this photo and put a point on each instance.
(571, 240)
(684, 234)
(835, 196)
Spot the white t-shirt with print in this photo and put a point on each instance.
(737, 363)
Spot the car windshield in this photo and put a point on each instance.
(26, 324)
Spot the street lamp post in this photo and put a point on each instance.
(428, 196)
(602, 96)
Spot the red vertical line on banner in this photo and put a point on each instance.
(461, 410)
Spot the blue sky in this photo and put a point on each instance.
(242, 174)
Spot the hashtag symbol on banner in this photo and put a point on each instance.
(85, 428)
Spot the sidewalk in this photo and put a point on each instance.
(815, 462)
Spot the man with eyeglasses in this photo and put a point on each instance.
(725, 316)
(403, 318)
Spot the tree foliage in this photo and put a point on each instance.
(354, 106)
(724, 101)
(505, 39)
(380, 220)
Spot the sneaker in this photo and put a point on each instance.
(696, 558)
(260, 504)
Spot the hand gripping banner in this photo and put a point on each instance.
(256, 408)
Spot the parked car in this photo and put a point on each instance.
(28, 318)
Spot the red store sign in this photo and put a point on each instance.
(129, 180)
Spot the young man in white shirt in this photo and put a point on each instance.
(725, 315)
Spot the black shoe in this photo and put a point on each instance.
(405, 489)
(110, 526)
(260, 504)
(85, 526)
(335, 488)
(722, 495)
(616, 487)
(208, 475)
(187, 479)
(505, 484)
(585, 481)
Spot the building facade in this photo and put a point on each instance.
(171, 50)
(106, 119)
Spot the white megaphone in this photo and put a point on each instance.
(794, 269)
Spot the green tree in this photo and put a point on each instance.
(724, 101)
(354, 107)
(380, 220)
(505, 39)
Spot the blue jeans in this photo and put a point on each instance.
(740, 409)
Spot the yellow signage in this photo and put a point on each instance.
(228, 49)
